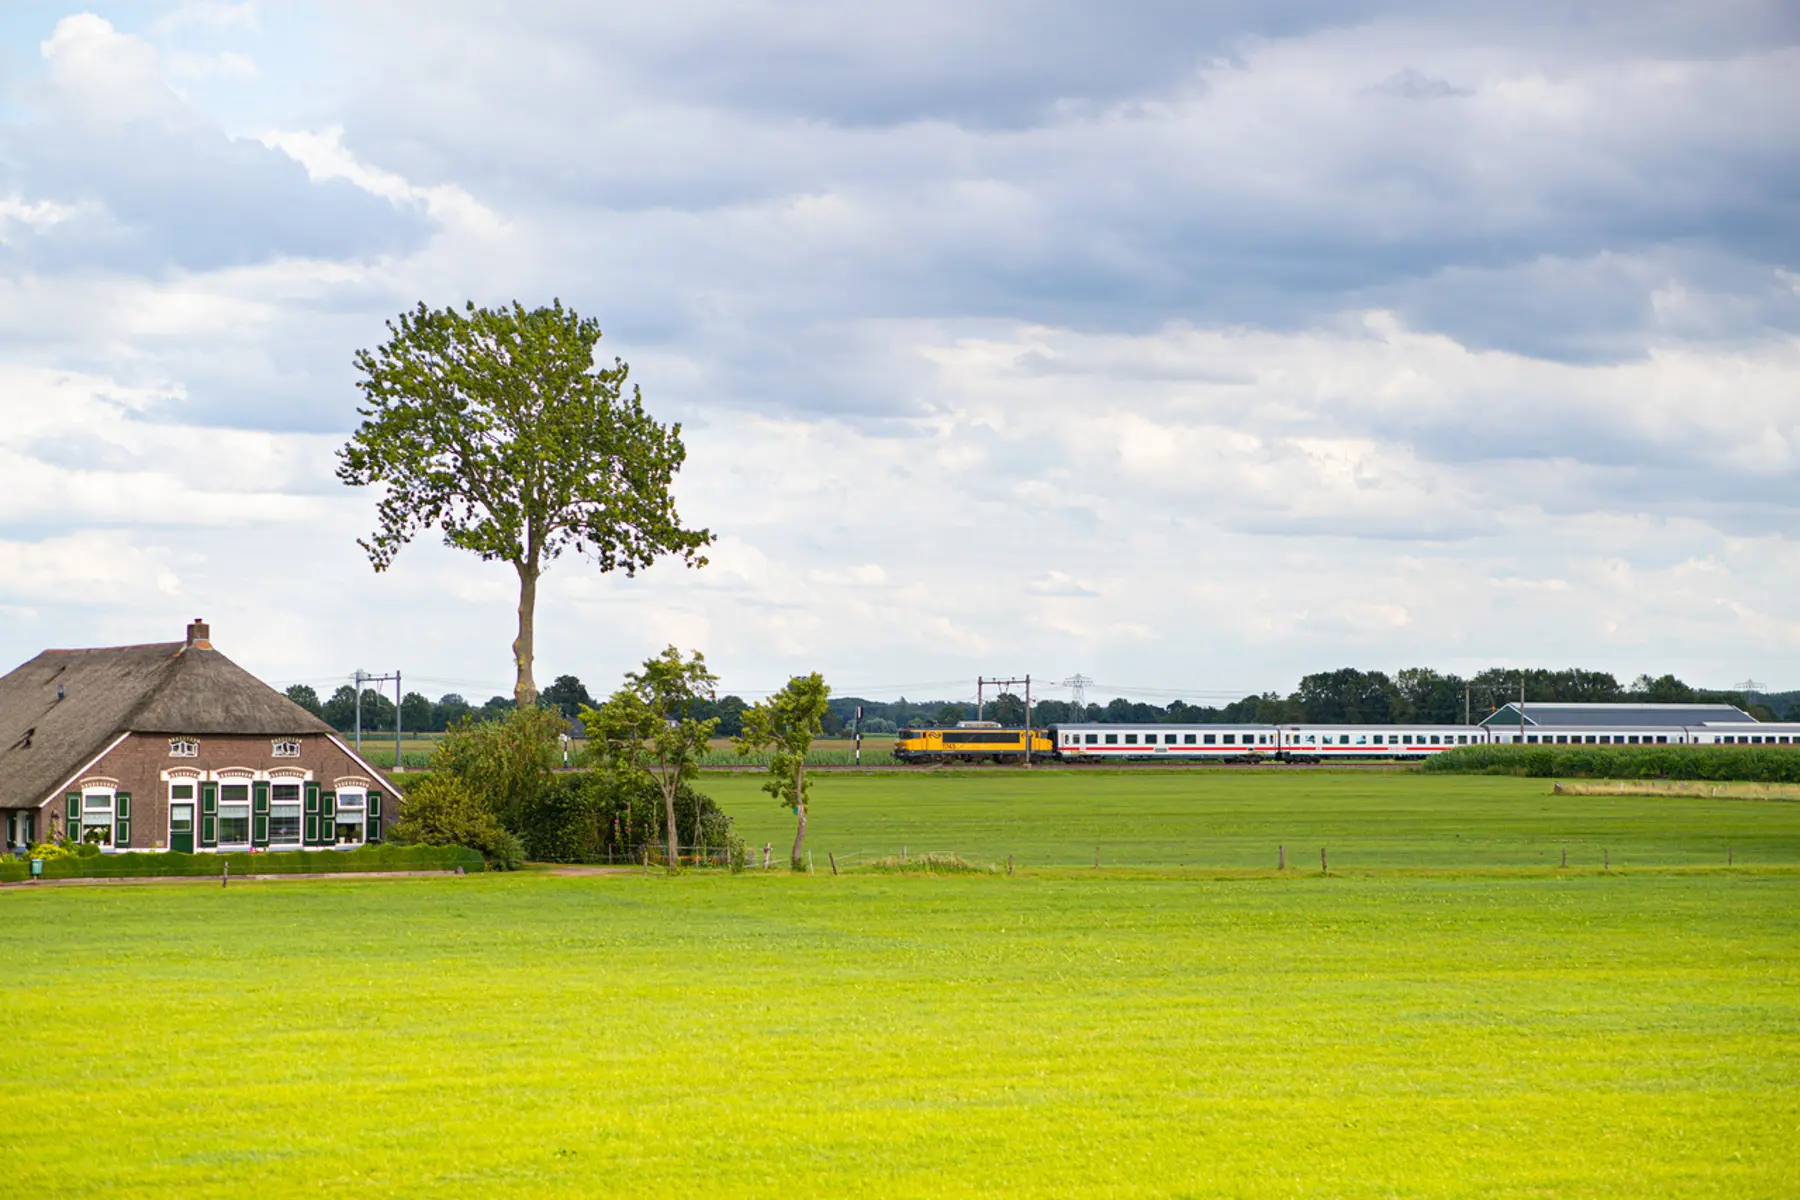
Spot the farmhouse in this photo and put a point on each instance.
(174, 747)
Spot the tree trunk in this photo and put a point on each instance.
(799, 804)
(668, 791)
(525, 688)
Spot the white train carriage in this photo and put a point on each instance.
(1177, 743)
(1326, 743)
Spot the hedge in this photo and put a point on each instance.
(286, 862)
(1752, 764)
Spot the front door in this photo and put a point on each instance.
(181, 828)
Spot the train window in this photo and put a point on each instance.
(1662, 739)
(1230, 739)
(1531, 739)
(1434, 739)
(1378, 740)
(1131, 739)
(1093, 739)
(1112, 739)
(1168, 739)
(1407, 739)
(1211, 738)
(1462, 739)
(1188, 738)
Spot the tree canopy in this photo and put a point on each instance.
(496, 427)
(787, 722)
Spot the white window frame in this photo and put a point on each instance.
(248, 783)
(284, 748)
(361, 808)
(111, 794)
(299, 803)
(184, 748)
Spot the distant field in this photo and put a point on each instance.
(1236, 818)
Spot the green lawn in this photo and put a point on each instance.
(1390, 1032)
(1237, 818)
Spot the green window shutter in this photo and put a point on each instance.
(329, 801)
(372, 832)
(209, 814)
(259, 813)
(72, 830)
(122, 819)
(259, 798)
(309, 834)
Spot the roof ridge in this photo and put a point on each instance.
(111, 649)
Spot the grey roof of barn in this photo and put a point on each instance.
(167, 688)
(1626, 716)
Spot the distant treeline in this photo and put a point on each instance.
(1416, 696)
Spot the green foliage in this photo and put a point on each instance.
(597, 816)
(496, 427)
(507, 763)
(647, 730)
(442, 810)
(786, 723)
(303, 695)
(133, 864)
(1752, 764)
(51, 851)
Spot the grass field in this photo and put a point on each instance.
(1384, 1032)
(1222, 817)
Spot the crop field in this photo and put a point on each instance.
(1406, 1026)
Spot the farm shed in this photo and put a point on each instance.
(173, 746)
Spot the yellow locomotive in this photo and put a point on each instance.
(972, 741)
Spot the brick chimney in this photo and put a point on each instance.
(199, 634)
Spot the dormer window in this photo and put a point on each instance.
(286, 748)
(183, 748)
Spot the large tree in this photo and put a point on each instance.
(497, 427)
(787, 723)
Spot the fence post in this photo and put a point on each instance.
(1009, 864)
(646, 859)
(1281, 857)
(225, 878)
(1606, 860)
(903, 853)
(1322, 865)
(1565, 857)
(809, 869)
(1728, 856)
(833, 858)
(1096, 858)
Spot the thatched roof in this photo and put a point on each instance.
(168, 688)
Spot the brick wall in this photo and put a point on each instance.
(138, 763)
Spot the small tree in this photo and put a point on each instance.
(647, 729)
(495, 426)
(442, 810)
(787, 722)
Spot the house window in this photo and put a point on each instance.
(234, 814)
(350, 809)
(284, 815)
(286, 748)
(97, 818)
(183, 748)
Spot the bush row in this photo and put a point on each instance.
(590, 816)
(1722, 763)
(286, 862)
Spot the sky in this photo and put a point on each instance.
(1187, 347)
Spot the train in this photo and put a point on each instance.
(989, 741)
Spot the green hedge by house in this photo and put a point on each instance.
(1752, 764)
(286, 862)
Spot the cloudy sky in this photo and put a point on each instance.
(1188, 346)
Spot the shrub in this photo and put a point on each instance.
(508, 764)
(932, 864)
(131, 864)
(1721, 763)
(594, 816)
(51, 851)
(442, 810)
